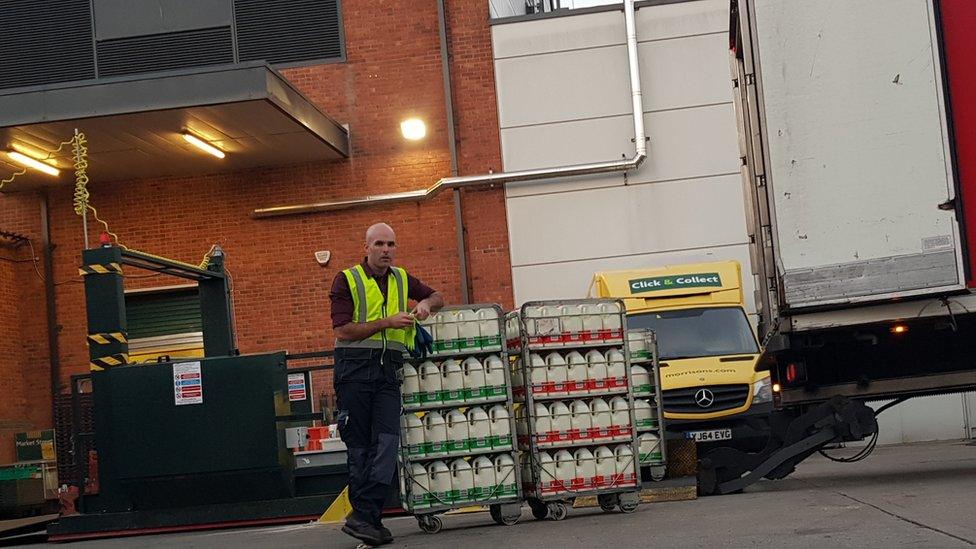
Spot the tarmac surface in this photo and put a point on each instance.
(919, 495)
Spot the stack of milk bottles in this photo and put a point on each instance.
(457, 427)
(576, 416)
(648, 414)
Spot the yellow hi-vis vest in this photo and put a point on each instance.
(369, 305)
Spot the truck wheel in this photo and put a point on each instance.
(707, 482)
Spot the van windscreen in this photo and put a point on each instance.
(691, 333)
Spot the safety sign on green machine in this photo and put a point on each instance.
(187, 383)
(672, 282)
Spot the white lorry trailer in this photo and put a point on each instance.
(857, 122)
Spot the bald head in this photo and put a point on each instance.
(380, 247)
(379, 230)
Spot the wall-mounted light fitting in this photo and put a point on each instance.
(29, 162)
(202, 145)
(413, 129)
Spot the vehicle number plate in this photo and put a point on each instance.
(709, 436)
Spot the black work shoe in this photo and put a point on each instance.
(386, 536)
(363, 531)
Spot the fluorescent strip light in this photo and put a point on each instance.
(25, 160)
(202, 145)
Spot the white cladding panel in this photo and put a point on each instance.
(595, 82)
(627, 220)
(684, 144)
(607, 28)
(539, 36)
(680, 73)
(560, 86)
(563, 89)
(857, 148)
(940, 417)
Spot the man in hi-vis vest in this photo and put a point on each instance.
(373, 328)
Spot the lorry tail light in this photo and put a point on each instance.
(795, 373)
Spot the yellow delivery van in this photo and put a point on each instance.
(707, 346)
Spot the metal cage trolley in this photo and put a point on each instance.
(575, 410)
(457, 429)
(645, 376)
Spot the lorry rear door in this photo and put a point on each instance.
(857, 150)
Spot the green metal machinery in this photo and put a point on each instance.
(186, 442)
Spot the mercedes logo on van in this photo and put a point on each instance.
(704, 398)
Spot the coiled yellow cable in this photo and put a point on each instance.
(11, 178)
(81, 173)
(207, 256)
(81, 195)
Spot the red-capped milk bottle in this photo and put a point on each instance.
(576, 374)
(556, 373)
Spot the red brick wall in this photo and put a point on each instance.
(479, 151)
(24, 365)
(393, 70)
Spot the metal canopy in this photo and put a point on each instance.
(133, 124)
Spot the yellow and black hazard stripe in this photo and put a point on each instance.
(107, 338)
(110, 361)
(110, 268)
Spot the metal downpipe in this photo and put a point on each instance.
(458, 182)
(452, 145)
(50, 303)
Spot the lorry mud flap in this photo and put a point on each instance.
(793, 438)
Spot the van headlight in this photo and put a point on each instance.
(762, 391)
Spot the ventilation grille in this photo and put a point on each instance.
(160, 52)
(72, 452)
(286, 31)
(45, 41)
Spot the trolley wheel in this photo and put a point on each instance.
(658, 472)
(539, 510)
(496, 515)
(628, 507)
(608, 502)
(430, 524)
(558, 510)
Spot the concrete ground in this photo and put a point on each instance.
(920, 495)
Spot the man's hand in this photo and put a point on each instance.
(421, 311)
(399, 320)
